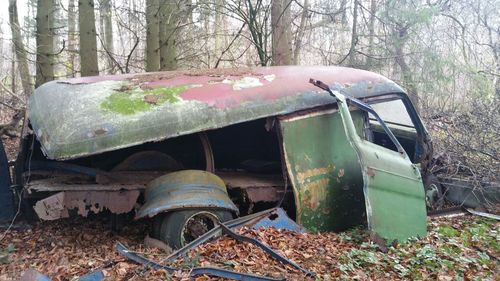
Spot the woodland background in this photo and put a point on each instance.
(445, 53)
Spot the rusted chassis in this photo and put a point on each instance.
(107, 162)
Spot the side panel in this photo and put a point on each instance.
(324, 171)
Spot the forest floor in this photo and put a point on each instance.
(458, 248)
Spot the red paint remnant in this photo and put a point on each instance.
(288, 81)
(370, 172)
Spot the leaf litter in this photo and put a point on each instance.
(460, 248)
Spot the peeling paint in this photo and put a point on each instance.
(270, 77)
(59, 205)
(303, 176)
(243, 83)
(315, 193)
(341, 173)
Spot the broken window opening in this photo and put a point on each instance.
(394, 113)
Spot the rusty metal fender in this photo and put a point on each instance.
(185, 189)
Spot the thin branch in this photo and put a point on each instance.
(230, 44)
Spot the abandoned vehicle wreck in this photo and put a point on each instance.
(186, 149)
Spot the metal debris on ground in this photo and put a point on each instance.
(271, 218)
(275, 217)
(212, 271)
(483, 214)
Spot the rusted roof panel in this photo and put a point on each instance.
(85, 116)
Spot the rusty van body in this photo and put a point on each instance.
(185, 149)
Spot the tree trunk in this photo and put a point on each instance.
(300, 32)
(29, 25)
(88, 43)
(407, 77)
(107, 31)
(19, 49)
(72, 42)
(169, 16)
(13, 85)
(44, 42)
(152, 36)
(354, 36)
(218, 28)
(371, 29)
(343, 9)
(281, 32)
(1, 46)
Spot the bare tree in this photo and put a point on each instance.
(20, 51)
(354, 35)
(371, 34)
(152, 35)
(169, 23)
(88, 41)
(300, 32)
(255, 15)
(44, 42)
(106, 24)
(72, 39)
(281, 32)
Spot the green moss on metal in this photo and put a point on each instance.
(130, 101)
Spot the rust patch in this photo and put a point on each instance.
(303, 176)
(100, 131)
(151, 99)
(222, 72)
(370, 172)
(263, 194)
(124, 88)
(58, 205)
(315, 193)
(151, 77)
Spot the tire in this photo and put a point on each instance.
(156, 225)
(179, 228)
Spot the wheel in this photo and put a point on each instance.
(434, 197)
(156, 225)
(179, 228)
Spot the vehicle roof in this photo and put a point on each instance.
(84, 116)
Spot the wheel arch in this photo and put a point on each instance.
(185, 189)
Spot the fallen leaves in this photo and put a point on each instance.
(464, 247)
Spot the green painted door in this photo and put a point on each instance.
(392, 185)
(341, 179)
